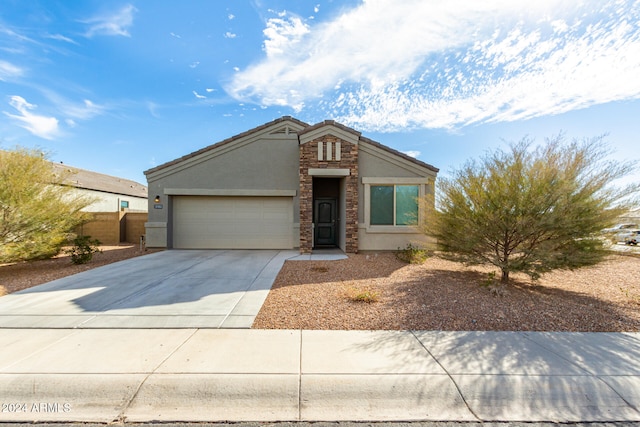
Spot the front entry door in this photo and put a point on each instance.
(325, 222)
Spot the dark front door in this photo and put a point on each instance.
(325, 222)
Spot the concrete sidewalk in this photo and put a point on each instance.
(141, 375)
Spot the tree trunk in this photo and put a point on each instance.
(505, 276)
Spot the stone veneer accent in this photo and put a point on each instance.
(348, 160)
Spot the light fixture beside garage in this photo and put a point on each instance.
(157, 204)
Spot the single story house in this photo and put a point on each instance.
(119, 210)
(111, 194)
(285, 185)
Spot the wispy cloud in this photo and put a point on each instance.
(42, 126)
(73, 109)
(111, 24)
(14, 35)
(84, 111)
(152, 107)
(197, 95)
(386, 65)
(60, 37)
(9, 71)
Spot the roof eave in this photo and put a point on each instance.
(224, 142)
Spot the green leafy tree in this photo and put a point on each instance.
(37, 210)
(531, 210)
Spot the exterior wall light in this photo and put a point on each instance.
(157, 199)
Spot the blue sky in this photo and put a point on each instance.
(119, 87)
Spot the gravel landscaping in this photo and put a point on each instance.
(377, 291)
(442, 295)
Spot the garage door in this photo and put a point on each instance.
(201, 222)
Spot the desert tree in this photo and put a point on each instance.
(532, 209)
(38, 210)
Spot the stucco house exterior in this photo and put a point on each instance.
(111, 194)
(285, 185)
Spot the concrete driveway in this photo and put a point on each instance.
(169, 289)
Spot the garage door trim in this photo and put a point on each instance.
(229, 192)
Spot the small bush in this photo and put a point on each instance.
(366, 296)
(83, 249)
(495, 288)
(412, 254)
(362, 294)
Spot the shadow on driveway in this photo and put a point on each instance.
(176, 288)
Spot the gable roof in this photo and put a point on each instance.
(227, 141)
(306, 128)
(88, 180)
(399, 154)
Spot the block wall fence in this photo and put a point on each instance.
(113, 228)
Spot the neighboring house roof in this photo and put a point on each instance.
(306, 128)
(95, 181)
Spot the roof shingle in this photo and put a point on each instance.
(89, 180)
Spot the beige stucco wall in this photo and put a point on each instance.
(375, 163)
(250, 166)
(392, 241)
(109, 202)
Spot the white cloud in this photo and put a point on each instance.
(197, 95)
(112, 24)
(412, 153)
(194, 64)
(229, 35)
(386, 65)
(42, 126)
(283, 34)
(9, 71)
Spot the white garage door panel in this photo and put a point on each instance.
(232, 222)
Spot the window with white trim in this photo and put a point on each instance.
(395, 205)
